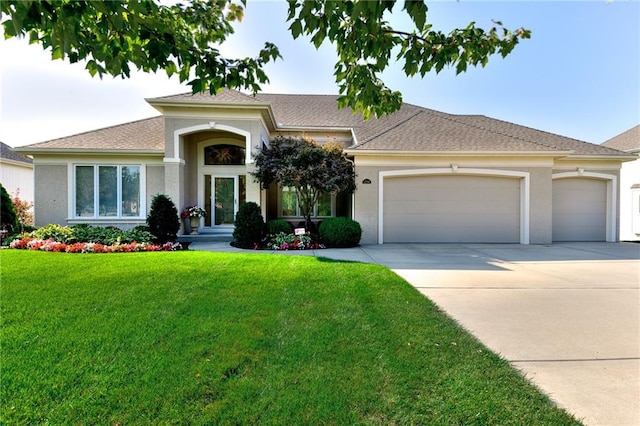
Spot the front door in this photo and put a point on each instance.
(223, 195)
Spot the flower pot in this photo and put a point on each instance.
(195, 224)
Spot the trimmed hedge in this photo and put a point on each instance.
(277, 226)
(340, 232)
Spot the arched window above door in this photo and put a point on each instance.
(224, 155)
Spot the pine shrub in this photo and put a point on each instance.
(163, 220)
(340, 232)
(249, 228)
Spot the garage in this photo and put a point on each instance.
(451, 209)
(579, 209)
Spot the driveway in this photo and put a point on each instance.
(566, 315)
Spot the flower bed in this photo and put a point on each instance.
(51, 245)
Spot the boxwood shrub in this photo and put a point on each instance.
(340, 232)
(277, 226)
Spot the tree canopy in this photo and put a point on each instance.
(310, 168)
(183, 39)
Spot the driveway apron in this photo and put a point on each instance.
(566, 315)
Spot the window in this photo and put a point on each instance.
(223, 155)
(107, 191)
(290, 208)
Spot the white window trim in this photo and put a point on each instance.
(96, 218)
(299, 216)
(525, 191)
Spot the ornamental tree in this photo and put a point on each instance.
(183, 38)
(308, 167)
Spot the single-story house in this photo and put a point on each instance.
(629, 142)
(16, 173)
(422, 175)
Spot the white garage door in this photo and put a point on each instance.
(451, 209)
(579, 209)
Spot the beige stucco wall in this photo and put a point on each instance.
(539, 169)
(51, 194)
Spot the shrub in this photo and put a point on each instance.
(8, 217)
(249, 228)
(163, 220)
(55, 232)
(277, 226)
(340, 232)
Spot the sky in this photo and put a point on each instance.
(578, 75)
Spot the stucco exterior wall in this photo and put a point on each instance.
(51, 194)
(540, 214)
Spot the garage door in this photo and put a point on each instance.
(451, 209)
(579, 209)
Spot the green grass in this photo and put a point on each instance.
(211, 338)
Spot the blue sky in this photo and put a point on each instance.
(578, 76)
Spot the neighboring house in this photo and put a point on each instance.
(16, 173)
(629, 142)
(422, 175)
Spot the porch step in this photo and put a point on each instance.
(206, 237)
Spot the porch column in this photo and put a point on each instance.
(174, 182)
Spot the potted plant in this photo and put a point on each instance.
(192, 215)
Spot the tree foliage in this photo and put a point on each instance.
(8, 218)
(163, 220)
(184, 38)
(310, 168)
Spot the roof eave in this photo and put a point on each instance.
(84, 151)
(160, 105)
(601, 157)
(396, 153)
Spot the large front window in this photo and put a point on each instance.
(107, 191)
(290, 207)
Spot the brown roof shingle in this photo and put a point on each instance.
(412, 128)
(626, 141)
(141, 135)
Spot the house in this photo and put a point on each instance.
(16, 173)
(422, 175)
(629, 142)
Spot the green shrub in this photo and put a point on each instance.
(249, 228)
(340, 232)
(59, 233)
(277, 226)
(8, 217)
(138, 234)
(163, 220)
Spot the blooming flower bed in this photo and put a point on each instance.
(51, 245)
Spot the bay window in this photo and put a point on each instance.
(107, 191)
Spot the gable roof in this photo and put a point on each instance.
(410, 129)
(142, 136)
(8, 153)
(626, 141)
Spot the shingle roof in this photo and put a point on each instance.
(6, 152)
(141, 135)
(626, 141)
(412, 128)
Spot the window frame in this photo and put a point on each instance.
(298, 215)
(96, 192)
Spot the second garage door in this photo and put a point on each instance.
(579, 209)
(451, 209)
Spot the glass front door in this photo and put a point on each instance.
(223, 195)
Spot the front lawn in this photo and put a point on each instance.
(212, 338)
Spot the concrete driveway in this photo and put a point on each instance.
(566, 315)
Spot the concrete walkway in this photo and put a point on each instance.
(566, 315)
